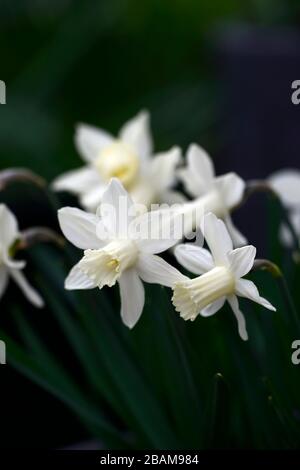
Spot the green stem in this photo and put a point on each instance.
(13, 175)
(35, 235)
(218, 413)
(275, 271)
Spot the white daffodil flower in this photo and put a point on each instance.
(116, 250)
(127, 157)
(9, 234)
(211, 194)
(286, 183)
(221, 273)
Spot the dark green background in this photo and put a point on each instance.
(101, 61)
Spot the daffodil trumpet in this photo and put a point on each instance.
(220, 275)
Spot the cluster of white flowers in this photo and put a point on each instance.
(132, 213)
(115, 246)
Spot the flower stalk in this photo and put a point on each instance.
(275, 271)
(35, 235)
(13, 175)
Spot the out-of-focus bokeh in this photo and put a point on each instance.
(101, 61)
(218, 73)
(213, 72)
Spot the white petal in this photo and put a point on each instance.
(136, 132)
(217, 238)
(76, 279)
(143, 193)
(234, 304)
(172, 197)
(198, 176)
(190, 182)
(117, 209)
(9, 230)
(287, 184)
(236, 236)
(285, 233)
(195, 259)
(158, 230)
(92, 198)
(90, 141)
(3, 280)
(200, 164)
(232, 188)
(30, 293)
(132, 297)
(213, 308)
(285, 236)
(241, 260)
(161, 168)
(247, 289)
(13, 263)
(155, 270)
(77, 181)
(79, 227)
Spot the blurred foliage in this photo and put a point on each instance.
(100, 62)
(166, 384)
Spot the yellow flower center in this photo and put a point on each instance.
(118, 160)
(193, 295)
(105, 266)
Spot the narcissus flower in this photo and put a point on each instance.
(221, 273)
(9, 267)
(127, 157)
(212, 194)
(116, 249)
(286, 183)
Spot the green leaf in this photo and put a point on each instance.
(218, 414)
(131, 395)
(172, 365)
(57, 382)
